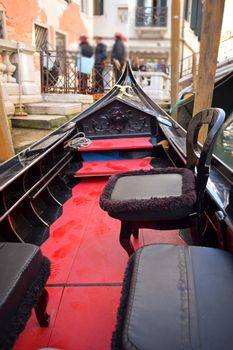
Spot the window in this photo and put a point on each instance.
(41, 38)
(82, 3)
(84, 6)
(60, 42)
(60, 52)
(186, 10)
(122, 14)
(2, 24)
(152, 3)
(98, 7)
(196, 17)
(154, 15)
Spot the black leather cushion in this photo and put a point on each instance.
(180, 297)
(20, 264)
(146, 186)
(157, 194)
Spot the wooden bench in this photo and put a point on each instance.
(24, 272)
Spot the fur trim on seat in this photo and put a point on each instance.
(166, 204)
(11, 331)
(116, 343)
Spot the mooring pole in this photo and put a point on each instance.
(175, 54)
(210, 37)
(6, 145)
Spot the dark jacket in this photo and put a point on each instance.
(118, 51)
(100, 53)
(86, 49)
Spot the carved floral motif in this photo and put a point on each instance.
(119, 119)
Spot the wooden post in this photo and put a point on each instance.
(210, 37)
(6, 145)
(175, 53)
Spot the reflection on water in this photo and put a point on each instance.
(224, 144)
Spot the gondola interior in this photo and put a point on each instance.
(50, 197)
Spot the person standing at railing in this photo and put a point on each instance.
(85, 62)
(118, 55)
(100, 57)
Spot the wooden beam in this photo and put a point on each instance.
(6, 145)
(210, 37)
(175, 53)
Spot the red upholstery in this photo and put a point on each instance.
(121, 143)
(102, 168)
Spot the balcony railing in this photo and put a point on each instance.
(186, 65)
(151, 17)
(225, 55)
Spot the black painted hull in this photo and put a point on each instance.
(35, 183)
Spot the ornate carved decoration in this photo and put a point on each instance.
(117, 119)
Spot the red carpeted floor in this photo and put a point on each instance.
(87, 270)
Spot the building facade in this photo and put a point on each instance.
(147, 26)
(57, 24)
(29, 26)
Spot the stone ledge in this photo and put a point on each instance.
(12, 88)
(10, 45)
(72, 98)
(23, 138)
(26, 99)
(45, 122)
(85, 106)
(30, 88)
(9, 107)
(53, 108)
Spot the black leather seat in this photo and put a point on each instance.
(165, 198)
(24, 272)
(176, 297)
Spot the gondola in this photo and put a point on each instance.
(50, 196)
(221, 97)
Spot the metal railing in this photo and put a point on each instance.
(186, 65)
(151, 17)
(225, 53)
(63, 72)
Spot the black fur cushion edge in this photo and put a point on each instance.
(116, 343)
(166, 204)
